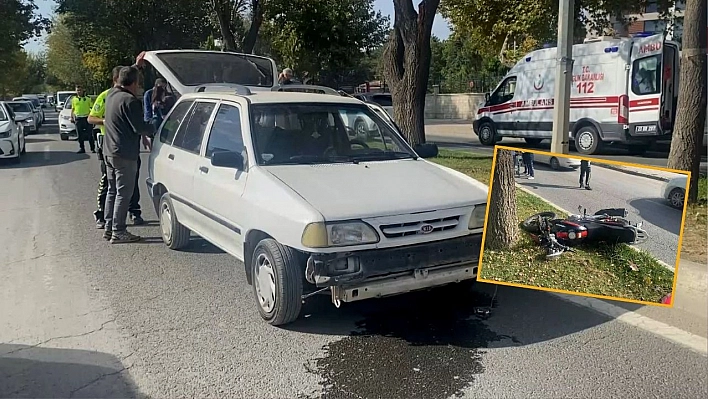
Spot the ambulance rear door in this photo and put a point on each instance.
(645, 86)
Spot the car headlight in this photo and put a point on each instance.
(4, 135)
(28, 120)
(323, 235)
(65, 117)
(479, 213)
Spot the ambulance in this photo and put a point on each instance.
(623, 91)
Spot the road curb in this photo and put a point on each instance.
(524, 189)
(631, 172)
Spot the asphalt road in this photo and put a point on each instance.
(82, 318)
(459, 135)
(613, 189)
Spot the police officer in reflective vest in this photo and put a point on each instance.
(98, 112)
(80, 108)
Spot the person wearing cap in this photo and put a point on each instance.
(80, 108)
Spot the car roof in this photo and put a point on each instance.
(272, 97)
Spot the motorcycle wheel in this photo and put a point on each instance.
(530, 225)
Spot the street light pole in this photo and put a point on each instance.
(564, 77)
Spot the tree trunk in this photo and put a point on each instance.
(407, 65)
(222, 9)
(249, 42)
(687, 139)
(502, 229)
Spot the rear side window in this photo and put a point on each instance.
(190, 138)
(646, 76)
(384, 101)
(172, 123)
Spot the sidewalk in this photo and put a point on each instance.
(644, 172)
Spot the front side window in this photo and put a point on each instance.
(226, 131)
(173, 121)
(3, 115)
(504, 93)
(646, 75)
(190, 138)
(311, 133)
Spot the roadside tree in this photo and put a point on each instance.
(687, 138)
(502, 230)
(239, 22)
(20, 23)
(407, 65)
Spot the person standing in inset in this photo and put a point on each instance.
(80, 108)
(585, 174)
(527, 158)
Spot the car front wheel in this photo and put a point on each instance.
(677, 197)
(277, 282)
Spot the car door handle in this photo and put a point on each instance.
(204, 169)
(171, 156)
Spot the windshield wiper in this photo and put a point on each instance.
(313, 159)
(383, 155)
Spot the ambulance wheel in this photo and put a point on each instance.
(487, 134)
(587, 140)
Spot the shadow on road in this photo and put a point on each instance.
(436, 336)
(199, 245)
(657, 212)
(45, 158)
(34, 372)
(30, 139)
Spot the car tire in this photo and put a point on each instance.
(487, 134)
(173, 233)
(677, 197)
(277, 282)
(360, 129)
(64, 137)
(587, 141)
(532, 141)
(555, 163)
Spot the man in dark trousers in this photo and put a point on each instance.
(80, 108)
(527, 157)
(585, 174)
(125, 128)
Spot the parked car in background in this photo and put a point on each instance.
(35, 110)
(674, 191)
(37, 104)
(24, 115)
(67, 128)
(12, 137)
(556, 163)
(61, 97)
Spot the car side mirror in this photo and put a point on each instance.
(486, 97)
(227, 159)
(426, 150)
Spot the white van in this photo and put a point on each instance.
(624, 90)
(61, 98)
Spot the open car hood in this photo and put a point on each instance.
(189, 71)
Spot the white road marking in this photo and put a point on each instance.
(684, 338)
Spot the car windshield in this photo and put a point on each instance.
(20, 107)
(199, 68)
(63, 96)
(316, 133)
(3, 116)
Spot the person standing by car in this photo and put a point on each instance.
(80, 108)
(527, 158)
(585, 174)
(161, 104)
(121, 148)
(147, 99)
(98, 111)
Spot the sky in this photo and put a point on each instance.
(440, 27)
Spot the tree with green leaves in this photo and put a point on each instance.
(65, 61)
(407, 65)
(19, 23)
(687, 138)
(14, 73)
(239, 22)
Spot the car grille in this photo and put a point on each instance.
(397, 230)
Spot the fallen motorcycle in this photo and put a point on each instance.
(559, 235)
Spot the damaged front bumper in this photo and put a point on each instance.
(355, 276)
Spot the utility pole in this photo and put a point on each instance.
(564, 77)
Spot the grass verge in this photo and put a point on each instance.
(616, 271)
(695, 230)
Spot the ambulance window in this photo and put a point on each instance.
(505, 92)
(646, 75)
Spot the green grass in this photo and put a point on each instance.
(616, 270)
(695, 238)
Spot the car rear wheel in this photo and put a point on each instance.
(555, 164)
(174, 234)
(677, 197)
(277, 282)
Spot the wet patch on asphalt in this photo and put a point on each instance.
(422, 345)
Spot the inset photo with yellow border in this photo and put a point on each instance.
(558, 222)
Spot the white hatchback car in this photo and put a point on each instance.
(274, 179)
(24, 115)
(674, 191)
(12, 136)
(557, 163)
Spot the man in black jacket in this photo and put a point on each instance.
(125, 127)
